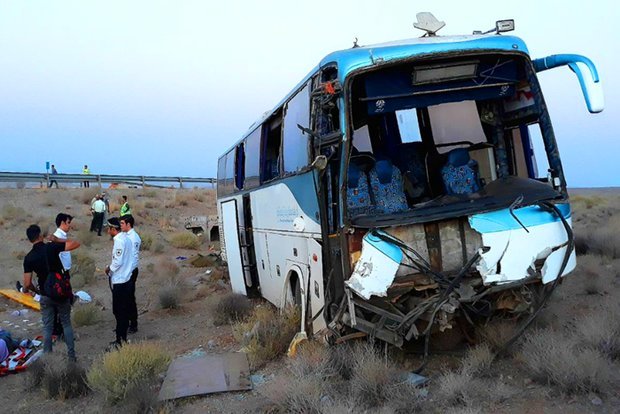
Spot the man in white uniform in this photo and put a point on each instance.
(63, 222)
(119, 272)
(127, 222)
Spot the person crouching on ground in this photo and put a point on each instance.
(119, 272)
(42, 260)
(127, 223)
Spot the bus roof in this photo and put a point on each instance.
(349, 60)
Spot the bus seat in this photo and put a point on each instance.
(358, 193)
(410, 159)
(460, 174)
(387, 187)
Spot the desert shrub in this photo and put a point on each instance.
(158, 247)
(86, 237)
(230, 308)
(554, 358)
(147, 241)
(86, 315)
(150, 205)
(82, 270)
(149, 193)
(605, 240)
(59, 379)
(167, 269)
(601, 330)
(119, 373)
(142, 398)
(478, 360)
(10, 212)
(266, 335)
(182, 198)
(185, 240)
(453, 386)
(150, 267)
(169, 296)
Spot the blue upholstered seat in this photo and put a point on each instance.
(387, 187)
(460, 174)
(358, 194)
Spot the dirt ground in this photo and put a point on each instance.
(160, 214)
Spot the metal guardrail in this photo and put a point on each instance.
(141, 180)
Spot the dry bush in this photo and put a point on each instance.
(59, 379)
(266, 335)
(86, 237)
(554, 358)
(298, 394)
(231, 308)
(117, 374)
(149, 193)
(147, 241)
(587, 202)
(453, 386)
(82, 270)
(150, 205)
(601, 330)
(158, 247)
(169, 296)
(185, 240)
(182, 198)
(143, 398)
(166, 269)
(604, 240)
(86, 315)
(478, 360)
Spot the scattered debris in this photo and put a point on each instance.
(206, 374)
(83, 297)
(415, 379)
(181, 258)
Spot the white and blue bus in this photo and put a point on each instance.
(395, 190)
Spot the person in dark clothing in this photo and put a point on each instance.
(52, 182)
(41, 260)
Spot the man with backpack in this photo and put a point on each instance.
(53, 287)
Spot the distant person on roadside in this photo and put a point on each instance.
(52, 181)
(127, 223)
(41, 260)
(106, 201)
(125, 209)
(119, 272)
(61, 235)
(86, 171)
(98, 210)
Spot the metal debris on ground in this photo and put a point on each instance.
(206, 374)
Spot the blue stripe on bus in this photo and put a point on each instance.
(502, 220)
(302, 188)
(390, 250)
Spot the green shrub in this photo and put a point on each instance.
(185, 240)
(86, 315)
(117, 374)
(169, 296)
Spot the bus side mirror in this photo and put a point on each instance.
(591, 85)
(320, 162)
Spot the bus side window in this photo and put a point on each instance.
(239, 166)
(295, 146)
(271, 146)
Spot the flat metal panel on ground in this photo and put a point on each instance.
(206, 374)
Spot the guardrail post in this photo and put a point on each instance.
(142, 181)
(99, 180)
(180, 183)
(47, 180)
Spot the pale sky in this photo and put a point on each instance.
(164, 87)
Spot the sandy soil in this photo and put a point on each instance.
(160, 213)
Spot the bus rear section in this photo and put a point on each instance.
(456, 206)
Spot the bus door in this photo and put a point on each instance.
(246, 237)
(230, 220)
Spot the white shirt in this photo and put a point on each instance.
(133, 236)
(65, 257)
(99, 206)
(120, 268)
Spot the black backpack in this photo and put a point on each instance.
(57, 286)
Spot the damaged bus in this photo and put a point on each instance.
(396, 190)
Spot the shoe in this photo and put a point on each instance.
(113, 346)
(132, 330)
(18, 286)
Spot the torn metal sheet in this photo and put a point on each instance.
(513, 250)
(206, 374)
(376, 268)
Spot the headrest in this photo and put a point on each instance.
(384, 169)
(353, 176)
(458, 157)
(364, 161)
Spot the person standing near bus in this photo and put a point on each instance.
(125, 209)
(119, 272)
(86, 171)
(127, 223)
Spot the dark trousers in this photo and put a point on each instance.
(97, 223)
(49, 309)
(121, 300)
(86, 184)
(133, 307)
(52, 182)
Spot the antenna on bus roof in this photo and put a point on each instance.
(428, 23)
